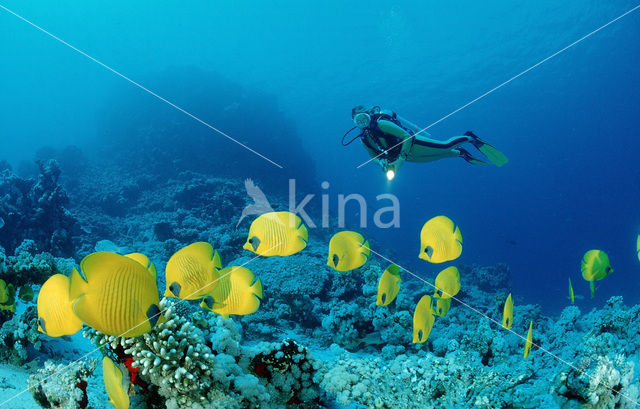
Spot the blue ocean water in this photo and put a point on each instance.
(568, 126)
(281, 77)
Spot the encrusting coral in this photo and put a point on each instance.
(36, 210)
(28, 266)
(599, 383)
(61, 386)
(18, 333)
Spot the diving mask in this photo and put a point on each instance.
(362, 120)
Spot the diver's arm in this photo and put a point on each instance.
(410, 125)
(393, 129)
(375, 156)
(395, 165)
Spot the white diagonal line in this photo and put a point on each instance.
(141, 323)
(118, 73)
(499, 324)
(506, 82)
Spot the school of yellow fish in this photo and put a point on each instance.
(118, 295)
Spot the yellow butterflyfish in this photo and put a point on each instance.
(440, 240)
(277, 234)
(423, 320)
(114, 384)
(529, 342)
(144, 261)
(572, 296)
(55, 308)
(507, 313)
(442, 306)
(119, 296)
(389, 285)
(7, 297)
(192, 271)
(348, 250)
(595, 266)
(447, 283)
(4, 291)
(238, 293)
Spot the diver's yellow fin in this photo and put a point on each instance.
(77, 285)
(495, 156)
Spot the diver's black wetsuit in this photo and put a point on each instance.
(386, 145)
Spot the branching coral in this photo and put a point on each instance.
(174, 357)
(289, 369)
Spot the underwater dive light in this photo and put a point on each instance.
(391, 174)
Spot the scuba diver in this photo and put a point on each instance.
(390, 140)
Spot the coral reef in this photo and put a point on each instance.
(599, 382)
(198, 362)
(37, 210)
(289, 369)
(17, 334)
(61, 386)
(28, 266)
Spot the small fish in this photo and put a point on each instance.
(26, 293)
(4, 291)
(440, 240)
(277, 234)
(348, 250)
(447, 282)
(507, 313)
(117, 391)
(7, 297)
(595, 266)
(238, 293)
(389, 285)
(192, 271)
(423, 320)
(55, 308)
(572, 296)
(119, 296)
(442, 306)
(638, 246)
(529, 342)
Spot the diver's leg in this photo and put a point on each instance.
(494, 155)
(464, 154)
(428, 150)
